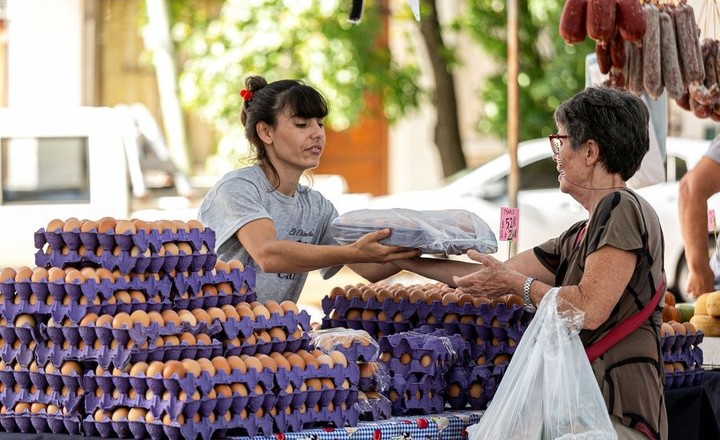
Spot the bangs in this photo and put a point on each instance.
(304, 101)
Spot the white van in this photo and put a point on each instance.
(58, 163)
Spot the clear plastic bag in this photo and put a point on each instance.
(549, 390)
(450, 231)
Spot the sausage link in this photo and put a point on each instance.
(688, 46)
(602, 53)
(572, 21)
(601, 19)
(629, 19)
(635, 68)
(671, 72)
(684, 101)
(652, 74)
(708, 48)
(617, 51)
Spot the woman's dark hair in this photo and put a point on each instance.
(616, 119)
(269, 100)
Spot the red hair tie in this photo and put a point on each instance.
(246, 95)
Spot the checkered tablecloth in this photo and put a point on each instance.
(446, 426)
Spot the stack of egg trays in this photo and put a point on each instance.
(404, 309)
(245, 327)
(686, 350)
(22, 385)
(50, 298)
(468, 320)
(117, 347)
(315, 402)
(419, 387)
(187, 288)
(65, 249)
(467, 376)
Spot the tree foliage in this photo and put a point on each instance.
(307, 39)
(550, 70)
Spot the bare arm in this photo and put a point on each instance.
(374, 272)
(607, 272)
(439, 270)
(274, 255)
(696, 187)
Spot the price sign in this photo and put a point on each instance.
(711, 220)
(509, 223)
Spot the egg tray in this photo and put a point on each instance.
(203, 429)
(454, 318)
(376, 329)
(126, 263)
(143, 240)
(436, 351)
(41, 422)
(339, 417)
(119, 356)
(242, 281)
(21, 355)
(460, 346)
(467, 376)
(415, 397)
(672, 343)
(70, 401)
(689, 356)
(338, 374)
(356, 345)
(683, 379)
(42, 381)
(342, 305)
(245, 327)
(135, 335)
(204, 301)
(266, 347)
(373, 410)
(486, 352)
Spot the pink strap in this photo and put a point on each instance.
(626, 327)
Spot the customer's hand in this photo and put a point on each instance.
(700, 281)
(492, 279)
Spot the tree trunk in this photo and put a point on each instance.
(447, 128)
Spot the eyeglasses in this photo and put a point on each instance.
(556, 142)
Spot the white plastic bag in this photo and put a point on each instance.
(450, 231)
(549, 390)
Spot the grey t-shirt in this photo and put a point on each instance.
(244, 195)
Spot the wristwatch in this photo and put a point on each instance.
(526, 293)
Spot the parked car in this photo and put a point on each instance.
(544, 211)
(83, 162)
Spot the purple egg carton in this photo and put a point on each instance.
(245, 327)
(24, 334)
(428, 354)
(242, 282)
(202, 429)
(338, 374)
(342, 305)
(324, 416)
(356, 345)
(290, 344)
(413, 397)
(460, 346)
(116, 355)
(374, 409)
(23, 355)
(249, 426)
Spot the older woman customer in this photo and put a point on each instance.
(610, 266)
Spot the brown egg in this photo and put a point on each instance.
(88, 225)
(171, 340)
(106, 224)
(170, 316)
(53, 274)
(192, 367)
(280, 360)
(172, 368)
(289, 306)
(309, 359)
(74, 276)
(338, 358)
(137, 414)
(252, 363)
(449, 298)
(324, 359)
(55, 225)
(216, 314)
(267, 362)
(7, 274)
(221, 266)
(207, 365)
(120, 413)
(71, 225)
(125, 227)
(236, 264)
(203, 339)
(138, 368)
(201, 316)
(274, 307)
(295, 360)
(187, 316)
(188, 338)
(89, 319)
(69, 367)
(155, 316)
(236, 363)
(24, 320)
(171, 249)
(195, 224)
(122, 320)
(243, 310)
(23, 273)
(105, 320)
(221, 364)
(155, 368)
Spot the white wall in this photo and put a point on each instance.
(45, 52)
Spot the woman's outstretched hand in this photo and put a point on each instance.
(370, 250)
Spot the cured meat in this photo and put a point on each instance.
(671, 73)
(634, 75)
(688, 44)
(630, 21)
(708, 49)
(617, 51)
(652, 74)
(684, 101)
(602, 53)
(704, 95)
(572, 21)
(601, 19)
